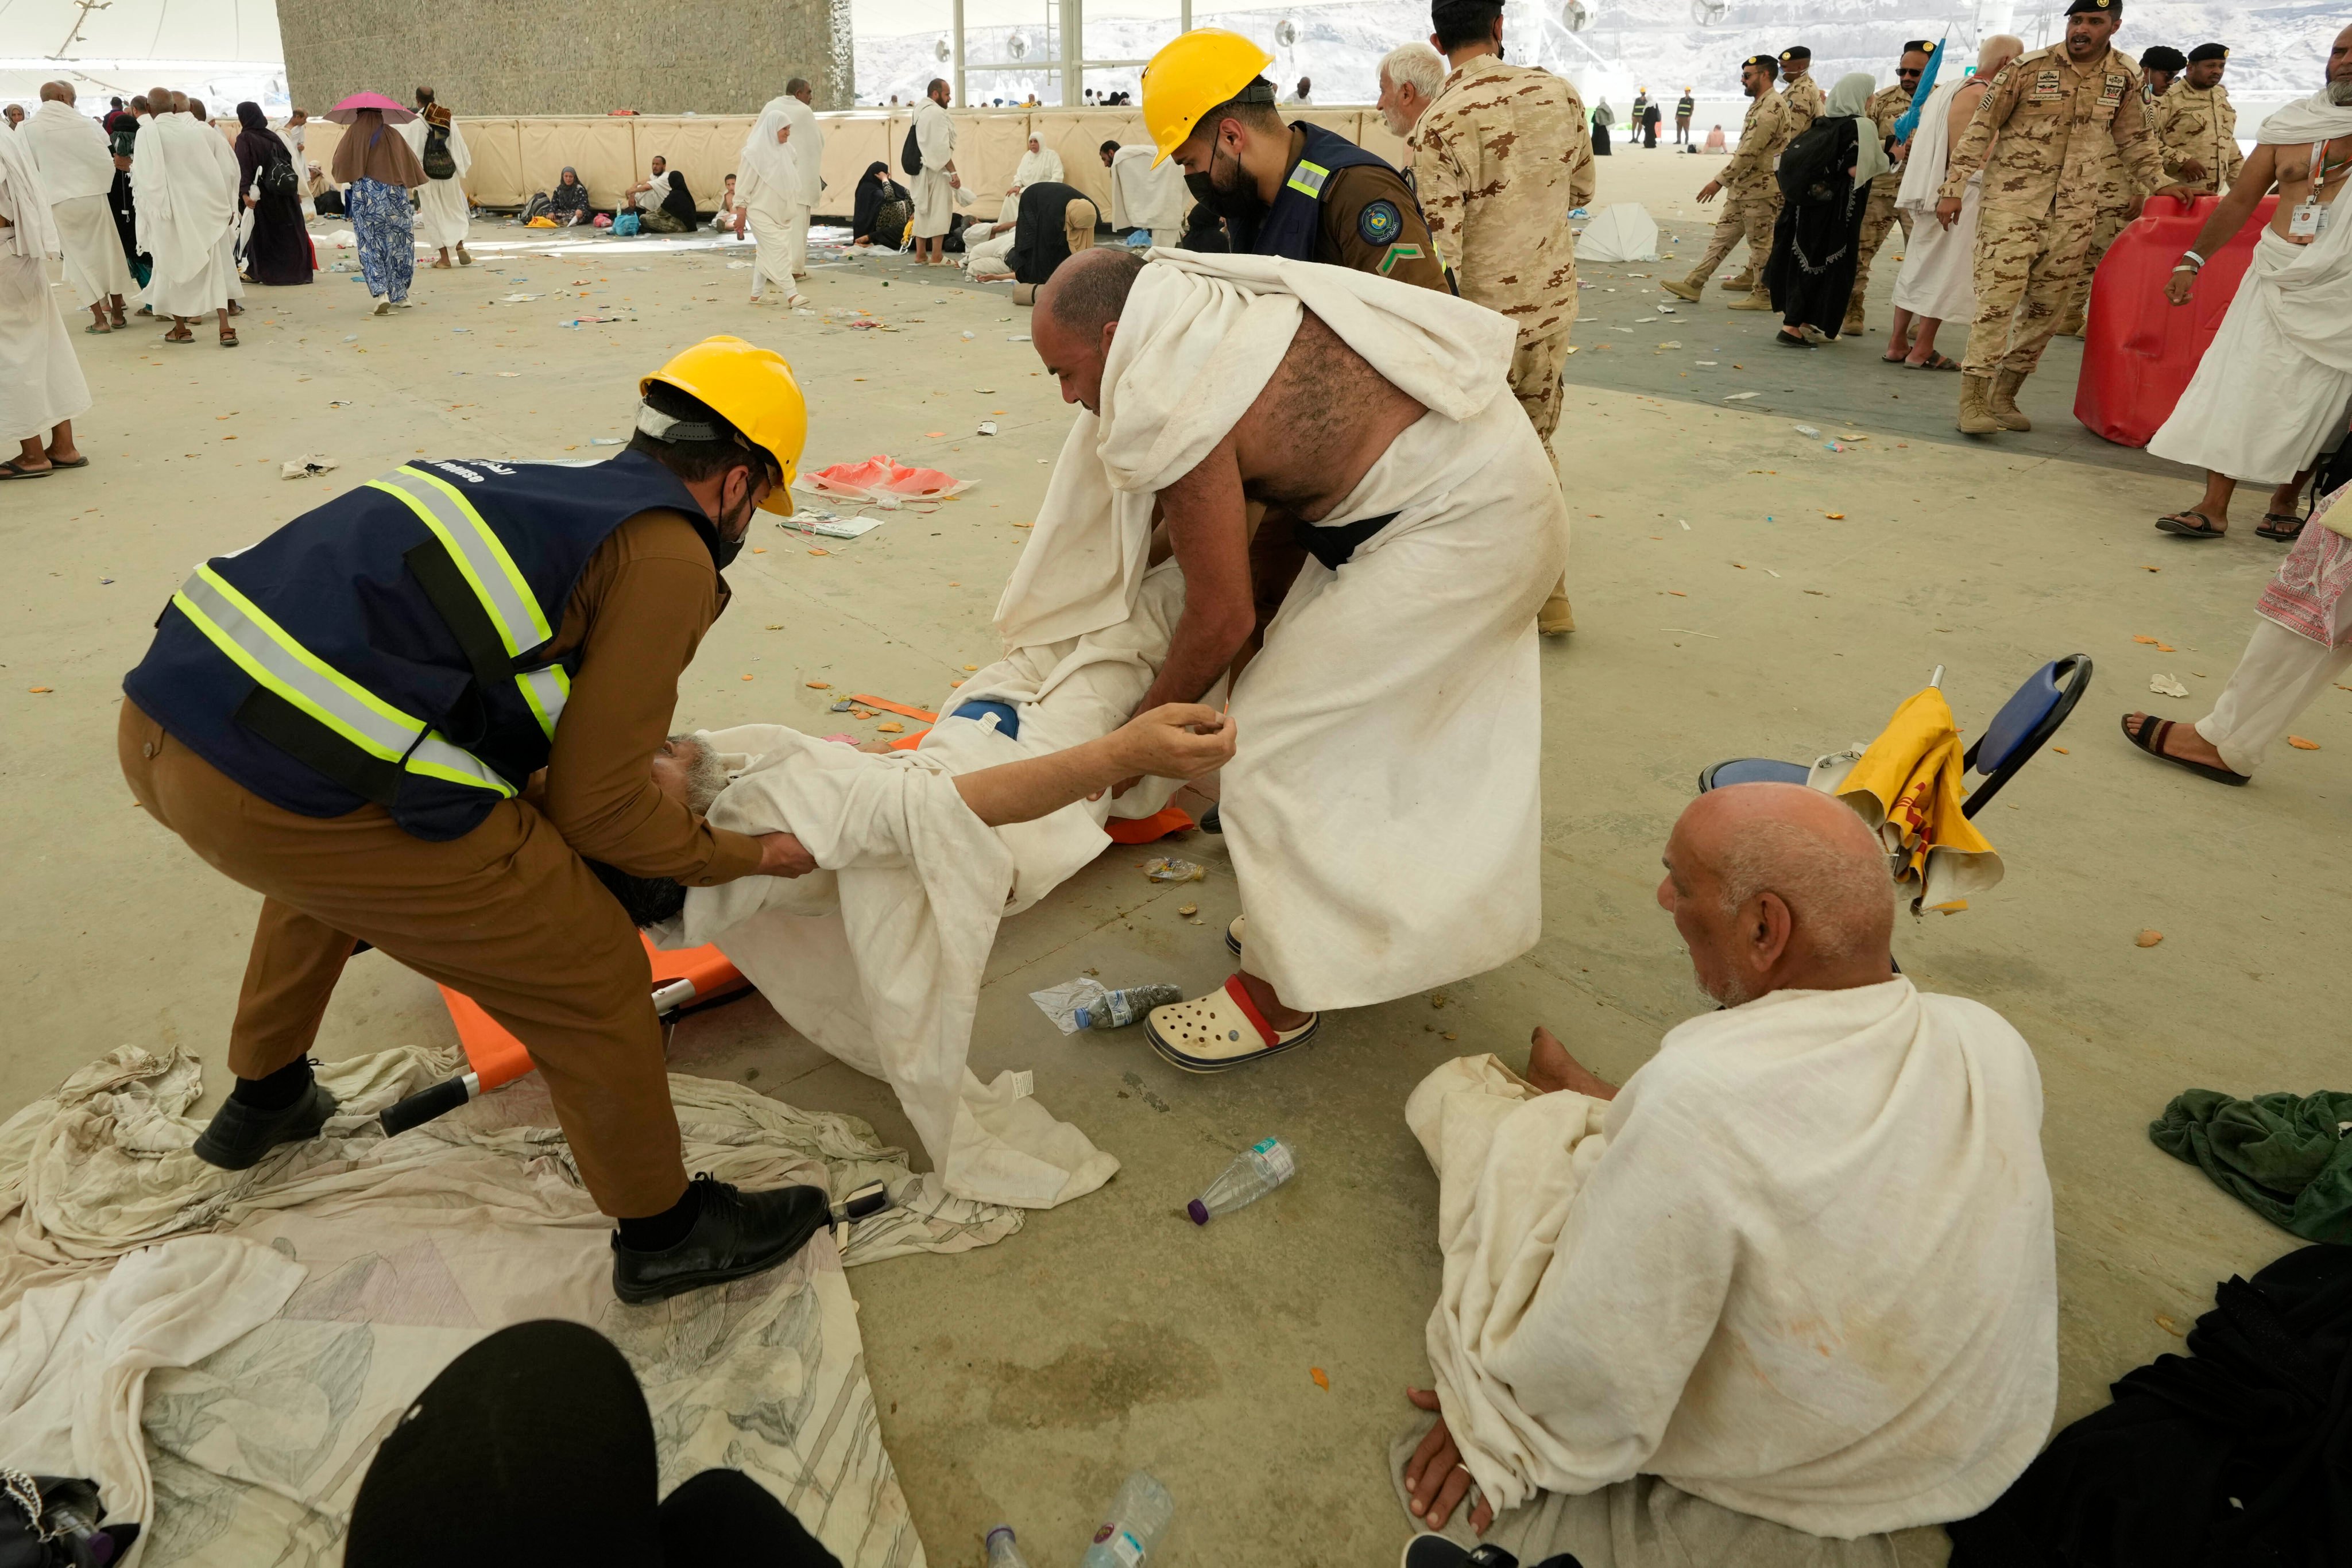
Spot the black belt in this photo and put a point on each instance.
(1334, 546)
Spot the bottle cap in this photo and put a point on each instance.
(1004, 1529)
(1198, 1211)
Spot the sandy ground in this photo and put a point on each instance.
(1741, 590)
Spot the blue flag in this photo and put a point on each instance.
(1908, 121)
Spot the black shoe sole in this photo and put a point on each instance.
(642, 1295)
(304, 1121)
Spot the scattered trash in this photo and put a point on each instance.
(880, 480)
(2165, 686)
(40, 691)
(1129, 1534)
(304, 466)
(1685, 523)
(1168, 870)
(510, 375)
(1710, 364)
(1741, 397)
(603, 441)
(987, 427)
(2301, 744)
(1118, 1009)
(1255, 1171)
(352, 338)
(968, 337)
(1187, 910)
(1833, 516)
(1002, 1551)
(887, 706)
(519, 298)
(2148, 641)
(829, 525)
(818, 686)
(2148, 938)
(1322, 1379)
(1021, 338)
(1665, 309)
(1671, 343)
(1807, 430)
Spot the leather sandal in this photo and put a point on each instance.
(2150, 739)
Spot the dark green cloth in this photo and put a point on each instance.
(2287, 1159)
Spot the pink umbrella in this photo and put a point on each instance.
(348, 110)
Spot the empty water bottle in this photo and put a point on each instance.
(1131, 1533)
(1119, 1008)
(1002, 1551)
(1257, 1171)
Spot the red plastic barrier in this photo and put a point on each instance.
(2139, 350)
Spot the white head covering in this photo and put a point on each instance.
(766, 160)
(1850, 100)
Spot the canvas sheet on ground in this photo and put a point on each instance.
(409, 1250)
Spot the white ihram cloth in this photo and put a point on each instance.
(1802, 1266)
(778, 183)
(40, 378)
(2271, 392)
(1144, 197)
(1938, 276)
(934, 197)
(442, 219)
(186, 216)
(78, 171)
(1045, 165)
(879, 958)
(1383, 808)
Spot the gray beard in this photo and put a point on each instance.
(705, 779)
(2339, 93)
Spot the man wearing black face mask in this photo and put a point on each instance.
(404, 717)
(1296, 190)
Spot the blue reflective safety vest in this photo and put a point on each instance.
(388, 647)
(1292, 224)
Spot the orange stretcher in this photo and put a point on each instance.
(684, 982)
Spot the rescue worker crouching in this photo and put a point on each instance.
(343, 718)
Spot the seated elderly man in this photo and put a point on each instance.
(1789, 1289)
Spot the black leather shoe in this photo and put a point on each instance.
(239, 1134)
(737, 1234)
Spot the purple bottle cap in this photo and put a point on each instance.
(1004, 1529)
(1198, 1211)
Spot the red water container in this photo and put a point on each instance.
(2139, 349)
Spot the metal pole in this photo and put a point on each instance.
(955, 68)
(1074, 50)
(1184, 16)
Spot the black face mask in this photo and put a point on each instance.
(1242, 207)
(723, 550)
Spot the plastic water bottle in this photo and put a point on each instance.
(1130, 1534)
(1258, 1170)
(1119, 1008)
(1002, 1551)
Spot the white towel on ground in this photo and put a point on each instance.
(1802, 1266)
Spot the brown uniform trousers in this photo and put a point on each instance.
(507, 915)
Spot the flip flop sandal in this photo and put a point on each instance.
(2176, 523)
(1932, 362)
(97, 331)
(2284, 527)
(77, 463)
(179, 342)
(1233, 934)
(2150, 739)
(1896, 359)
(10, 469)
(1221, 1031)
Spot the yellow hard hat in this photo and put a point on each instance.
(1192, 75)
(753, 389)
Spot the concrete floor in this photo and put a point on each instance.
(1021, 1382)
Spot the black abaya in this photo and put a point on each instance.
(1818, 236)
(277, 252)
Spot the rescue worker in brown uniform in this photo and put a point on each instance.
(2056, 112)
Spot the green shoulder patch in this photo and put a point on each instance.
(1397, 253)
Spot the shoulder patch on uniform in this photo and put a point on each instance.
(1380, 222)
(1398, 253)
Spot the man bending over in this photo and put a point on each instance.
(1383, 818)
(1794, 1281)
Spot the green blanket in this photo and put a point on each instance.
(2289, 1159)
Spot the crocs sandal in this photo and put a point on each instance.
(2150, 739)
(1233, 934)
(2284, 527)
(1220, 1030)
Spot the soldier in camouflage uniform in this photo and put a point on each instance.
(1799, 91)
(1500, 156)
(1752, 195)
(1885, 107)
(2057, 112)
(2199, 125)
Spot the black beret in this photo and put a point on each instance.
(2094, 8)
(1767, 61)
(2208, 52)
(1920, 46)
(1798, 53)
(2163, 57)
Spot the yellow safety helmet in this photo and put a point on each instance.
(1192, 75)
(753, 389)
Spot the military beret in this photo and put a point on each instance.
(1798, 53)
(2094, 8)
(1767, 61)
(1920, 46)
(2208, 52)
(2163, 57)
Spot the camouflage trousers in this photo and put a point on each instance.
(1534, 380)
(1877, 220)
(2111, 221)
(1748, 214)
(2027, 270)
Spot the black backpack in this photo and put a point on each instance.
(278, 178)
(439, 163)
(911, 157)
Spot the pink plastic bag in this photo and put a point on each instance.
(878, 477)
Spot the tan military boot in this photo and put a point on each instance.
(2072, 327)
(1976, 409)
(1854, 326)
(1557, 617)
(2004, 401)
(1689, 287)
(1740, 281)
(1758, 299)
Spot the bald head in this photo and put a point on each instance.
(1778, 888)
(1998, 51)
(56, 93)
(1078, 316)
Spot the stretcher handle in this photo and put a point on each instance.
(427, 1104)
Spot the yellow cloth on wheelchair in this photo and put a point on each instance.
(1906, 786)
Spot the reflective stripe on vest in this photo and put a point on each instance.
(1308, 179)
(493, 576)
(261, 648)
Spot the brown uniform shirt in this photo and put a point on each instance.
(1403, 250)
(637, 615)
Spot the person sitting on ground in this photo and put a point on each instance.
(662, 202)
(880, 209)
(730, 210)
(1792, 1286)
(568, 203)
(1714, 142)
(1036, 164)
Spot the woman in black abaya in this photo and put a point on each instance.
(1826, 176)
